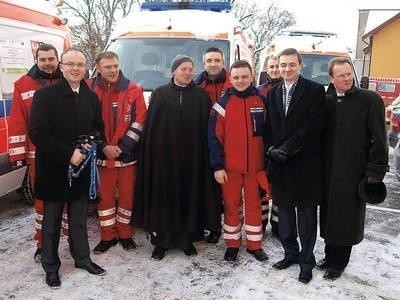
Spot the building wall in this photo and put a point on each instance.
(363, 15)
(385, 58)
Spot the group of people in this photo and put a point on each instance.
(205, 146)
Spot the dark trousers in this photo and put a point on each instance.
(306, 222)
(337, 256)
(78, 236)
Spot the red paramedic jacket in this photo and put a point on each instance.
(235, 132)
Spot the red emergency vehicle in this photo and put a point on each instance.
(388, 88)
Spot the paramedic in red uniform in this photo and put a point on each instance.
(235, 138)
(215, 81)
(124, 112)
(21, 149)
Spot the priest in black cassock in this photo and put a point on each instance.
(176, 194)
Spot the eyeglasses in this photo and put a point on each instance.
(73, 65)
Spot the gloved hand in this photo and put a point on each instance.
(277, 154)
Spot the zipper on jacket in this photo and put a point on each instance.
(110, 112)
(247, 135)
(216, 92)
(180, 97)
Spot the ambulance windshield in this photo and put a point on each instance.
(147, 61)
(315, 67)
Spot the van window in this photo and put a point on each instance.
(387, 87)
(316, 68)
(372, 86)
(147, 61)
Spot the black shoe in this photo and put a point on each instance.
(37, 257)
(231, 254)
(158, 253)
(332, 274)
(53, 280)
(322, 264)
(284, 264)
(258, 254)
(213, 237)
(190, 251)
(92, 268)
(103, 246)
(128, 244)
(305, 276)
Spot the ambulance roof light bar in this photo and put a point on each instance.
(217, 6)
(322, 34)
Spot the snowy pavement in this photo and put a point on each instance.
(373, 272)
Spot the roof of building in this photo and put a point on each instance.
(393, 16)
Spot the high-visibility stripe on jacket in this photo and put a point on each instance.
(19, 145)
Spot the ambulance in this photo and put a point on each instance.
(317, 48)
(147, 40)
(24, 25)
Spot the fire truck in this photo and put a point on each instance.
(147, 40)
(24, 25)
(317, 48)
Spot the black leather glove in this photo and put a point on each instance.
(277, 154)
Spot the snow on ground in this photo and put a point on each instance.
(373, 272)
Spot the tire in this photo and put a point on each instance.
(24, 193)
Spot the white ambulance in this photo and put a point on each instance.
(317, 48)
(147, 40)
(24, 25)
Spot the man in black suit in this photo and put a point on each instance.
(60, 113)
(295, 110)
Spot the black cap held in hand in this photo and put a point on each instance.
(372, 193)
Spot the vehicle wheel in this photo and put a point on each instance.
(24, 193)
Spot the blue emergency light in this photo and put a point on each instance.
(216, 6)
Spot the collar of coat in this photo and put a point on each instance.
(269, 81)
(203, 76)
(181, 88)
(122, 84)
(332, 91)
(36, 74)
(66, 88)
(250, 91)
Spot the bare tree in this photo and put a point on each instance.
(95, 19)
(264, 22)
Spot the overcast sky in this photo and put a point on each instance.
(340, 16)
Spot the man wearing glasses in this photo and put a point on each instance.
(61, 113)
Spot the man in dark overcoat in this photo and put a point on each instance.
(355, 147)
(59, 114)
(176, 195)
(294, 124)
